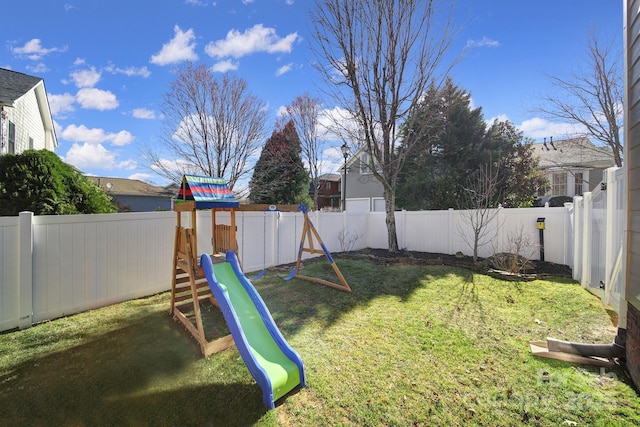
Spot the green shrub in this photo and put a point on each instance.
(38, 181)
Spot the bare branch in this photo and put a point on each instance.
(211, 126)
(305, 112)
(593, 98)
(378, 58)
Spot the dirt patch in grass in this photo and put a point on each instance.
(537, 268)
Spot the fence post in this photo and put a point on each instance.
(25, 256)
(587, 240)
(578, 218)
(610, 235)
(450, 231)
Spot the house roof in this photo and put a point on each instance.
(13, 85)
(574, 152)
(334, 177)
(131, 187)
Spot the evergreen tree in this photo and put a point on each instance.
(520, 177)
(279, 176)
(450, 135)
(38, 181)
(454, 144)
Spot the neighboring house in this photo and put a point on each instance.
(573, 166)
(329, 193)
(132, 195)
(364, 193)
(25, 117)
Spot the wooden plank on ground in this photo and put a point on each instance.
(540, 349)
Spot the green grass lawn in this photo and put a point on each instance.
(410, 346)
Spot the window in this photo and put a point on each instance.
(11, 149)
(327, 185)
(579, 187)
(559, 183)
(30, 143)
(364, 163)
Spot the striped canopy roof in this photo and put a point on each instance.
(207, 192)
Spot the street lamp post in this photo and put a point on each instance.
(345, 152)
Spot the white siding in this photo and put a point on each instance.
(28, 120)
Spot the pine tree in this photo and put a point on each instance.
(450, 134)
(279, 176)
(453, 143)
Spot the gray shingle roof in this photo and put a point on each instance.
(13, 85)
(131, 187)
(575, 152)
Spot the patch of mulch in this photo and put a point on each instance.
(536, 268)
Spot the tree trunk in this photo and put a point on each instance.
(390, 208)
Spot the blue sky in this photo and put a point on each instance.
(107, 64)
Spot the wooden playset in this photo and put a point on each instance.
(189, 287)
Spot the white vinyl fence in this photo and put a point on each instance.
(51, 266)
(600, 255)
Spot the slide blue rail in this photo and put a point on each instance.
(276, 367)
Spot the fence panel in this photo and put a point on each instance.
(356, 226)
(427, 231)
(86, 261)
(616, 255)
(9, 272)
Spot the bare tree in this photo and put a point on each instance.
(480, 193)
(212, 126)
(593, 98)
(378, 58)
(304, 111)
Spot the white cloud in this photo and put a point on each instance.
(96, 156)
(483, 42)
(34, 50)
(60, 104)
(224, 66)
(538, 128)
(143, 113)
(128, 71)
(256, 39)
(127, 165)
(90, 156)
(177, 165)
(39, 68)
(145, 177)
(499, 117)
(86, 78)
(284, 69)
(329, 120)
(95, 136)
(96, 99)
(179, 48)
(282, 111)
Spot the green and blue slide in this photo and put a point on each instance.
(276, 367)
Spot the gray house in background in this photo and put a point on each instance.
(573, 166)
(132, 195)
(364, 193)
